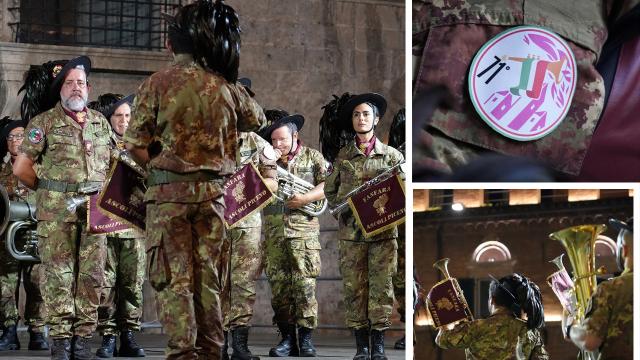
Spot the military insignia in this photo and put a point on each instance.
(238, 193)
(56, 70)
(381, 203)
(269, 153)
(444, 303)
(36, 135)
(81, 117)
(522, 82)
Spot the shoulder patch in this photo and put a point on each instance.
(36, 135)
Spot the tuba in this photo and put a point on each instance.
(446, 301)
(18, 225)
(289, 184)
(579, 242)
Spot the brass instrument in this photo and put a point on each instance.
(446, 300)
(381, 177)
(580, 242)
(289, 185)
(18, 224)
(562, 285)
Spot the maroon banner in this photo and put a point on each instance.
(122, 198)
(379, 207)
(244, 193)
(99, 223)
(447, 303)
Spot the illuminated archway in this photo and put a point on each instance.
(491, 251)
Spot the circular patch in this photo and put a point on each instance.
(36, 135)
(522, 82)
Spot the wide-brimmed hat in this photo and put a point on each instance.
(373, 98)
(59, 73)
(8, 125)
(622, 225)
(296, 119)
(111, 109)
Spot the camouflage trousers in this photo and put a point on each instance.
(73, 263)
(121, 299)
(245, 266)
(185, 265)
(398, 279)
(367, 269)
(10, 273)
(292, 266)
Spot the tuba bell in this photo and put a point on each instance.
(289, 184)
(18, 225)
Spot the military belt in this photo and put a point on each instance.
(159, 177)
(62, 186)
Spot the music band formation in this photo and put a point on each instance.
(597, 317)
(188, 129)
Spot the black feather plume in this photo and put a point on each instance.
(396, 133)
(334, 133)
(37, 83)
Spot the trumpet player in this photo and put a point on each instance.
(12, 135)
(608, 325)
(292, 245)
(366, 264)
(504, 334)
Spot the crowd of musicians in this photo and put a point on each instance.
(190, 127)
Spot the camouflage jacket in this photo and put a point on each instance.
(350, 170)
(188, 119)
(15, 189)
(64, 151)
(309, 165)
(498, 337)
(447, 36)
(611, 317)
(251, 148)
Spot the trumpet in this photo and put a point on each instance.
(289, 185)
(446, 300)
(381, 177)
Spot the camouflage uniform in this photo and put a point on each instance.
(446, 37)
(68, 154)
(121, 301)
(245, 263)
(293, 248)
(367, 265)
(399, 276)
(611, 317)
(11, 269)
(498, 337)
(193, 144)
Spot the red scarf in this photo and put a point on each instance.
(366, 146)
(80, 117)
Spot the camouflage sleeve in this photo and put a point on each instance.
(250, 114)
(538, 351)
(421, 19)
(320, 166)
(597, 319)
(266, 158)
(332, 184)
(36, 139)
(140, 132)
(461, 336)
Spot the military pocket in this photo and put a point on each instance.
(312, 244)
(157, 264)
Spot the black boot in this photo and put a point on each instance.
(225, 346)
(128, 345)
(240, 336)
(288, 346)
(37, 341)
(377, 345)
(304, 340)
(108, 347)
(61, 349)
(9, 339)
(81, 349)
(362, 344)
(399, 345)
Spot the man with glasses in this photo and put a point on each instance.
(71, 145)
(10, 268)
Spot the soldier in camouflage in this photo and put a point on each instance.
(367, 265)
(121, 301)
(447, 35)
(504, 335)
(10, 269)
(70, 144)
(292, 243)
(184, 129)
(608, 325)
